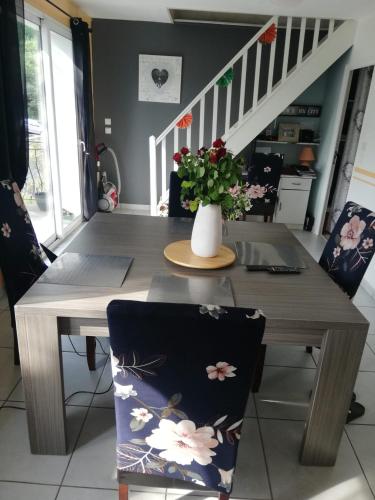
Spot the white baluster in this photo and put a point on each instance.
(228, 107)
(214, 112)
(163, 168)
(153, 182)
(331, 27)
(301, 42)
(175, 145)
(272, 64)
(286, 48)
(256, 77)
(243, 86)
(202, 104)
(316, 34)
(188, 135)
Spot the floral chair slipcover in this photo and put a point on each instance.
(20, 256)
(182, 375)
(350, 247)
(263, 177)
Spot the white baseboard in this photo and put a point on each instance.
(133, 206)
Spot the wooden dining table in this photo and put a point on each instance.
(300, 309)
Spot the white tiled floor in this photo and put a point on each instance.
(267, 469)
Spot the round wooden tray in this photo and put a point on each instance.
(179, 252)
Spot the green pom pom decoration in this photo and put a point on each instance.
(225, 80)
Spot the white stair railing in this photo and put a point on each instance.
(223, 123)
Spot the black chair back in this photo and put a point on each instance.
(263, 177)
(175, 208)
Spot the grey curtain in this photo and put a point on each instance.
(351, 145)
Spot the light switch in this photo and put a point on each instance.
(108, 130)
(107, 121)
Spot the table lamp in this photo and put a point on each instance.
(306, 156)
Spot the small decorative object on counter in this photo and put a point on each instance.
(209, 174)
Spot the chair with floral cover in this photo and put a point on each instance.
(263, 177)
(20, 256)
(176, 208)
(182, 375)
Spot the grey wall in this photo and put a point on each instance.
(116, 45)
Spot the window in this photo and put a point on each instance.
(52, 190)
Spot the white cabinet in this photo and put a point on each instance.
(293, 197)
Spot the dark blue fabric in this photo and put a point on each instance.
(164, 364)
(264, 176)
(350, 248)
(20, 256)
(175, 208)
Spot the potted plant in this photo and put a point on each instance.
(208, 175)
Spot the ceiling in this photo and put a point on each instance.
(158, 10)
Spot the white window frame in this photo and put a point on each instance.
(47, 24)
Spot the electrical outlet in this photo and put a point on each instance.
(108, 130)
(107, 121)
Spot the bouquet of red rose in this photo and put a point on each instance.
(208, 175)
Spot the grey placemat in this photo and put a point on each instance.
(87, 270)
(191, 289)
(267, 254)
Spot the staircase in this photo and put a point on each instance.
(267, 79)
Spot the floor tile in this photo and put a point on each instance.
(17, 463)
(93, 462)
(6, 332)
(371, 342)
(285, 392)
(362, 298)
(9, 373)
(105, 400)
(294, 356)
(80, 344)
(369, 313)
(18, 491)
(289, 480)
(365, 391)
(362, 438)
(77, 377)
(69, 493)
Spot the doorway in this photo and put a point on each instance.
(347, 144)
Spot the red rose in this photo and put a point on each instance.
(184, 150)
(221, 153)
(213, 157)
(177, 158)
(218, 143)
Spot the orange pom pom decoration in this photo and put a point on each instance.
(185, 121)
(269, 35)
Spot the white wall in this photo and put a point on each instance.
(362, 186)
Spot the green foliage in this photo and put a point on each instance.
(208, 175)
(31, 68)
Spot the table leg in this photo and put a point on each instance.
(43, 383)
(339, 360)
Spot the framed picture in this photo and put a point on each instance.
(159, 78)
(288, 132)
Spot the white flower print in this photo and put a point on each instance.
(141, 414)
(336, 252)
(27, 218)
(6, 185)
(18, 197)
(35, 250)
(124, 391)
(220, 371)
(267, 169)
(197, 481)
(183, 442)
(226, 478)
(114, 363)
(367, 243)
(213, 311)
(258, 313)
(6, 230)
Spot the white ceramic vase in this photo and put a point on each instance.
(206, 237)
